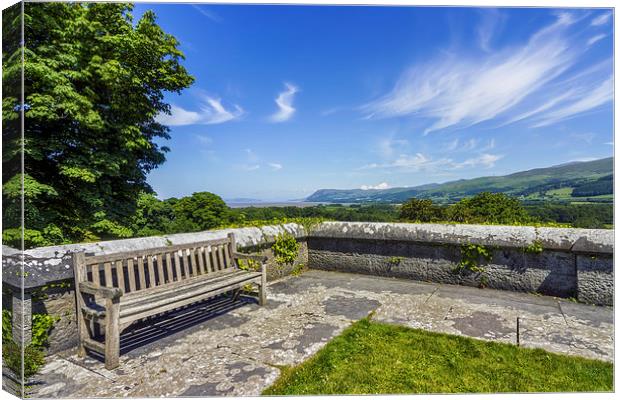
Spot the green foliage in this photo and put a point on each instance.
(535, 247)
(603, 185)
(376, 358)
(199, 212)
(285, 249)
(298, 269)
(94, 81)
(249, 265)
(471, 257)
(420, 210)
(42, 324)
(7, 325)
(488, 207)
(576, 215)
(33, 353)
(395, 260)
(12, 358)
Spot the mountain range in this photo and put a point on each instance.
(575, 181)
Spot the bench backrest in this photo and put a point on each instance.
(143, 269)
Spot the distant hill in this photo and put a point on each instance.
(577, 181)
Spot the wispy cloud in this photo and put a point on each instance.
(457, 90)
(484, 160)
(420, 162)
(207, 13)
(211, 112)
(598, 96)
(601, 19)
(490, 25)
(382, 185)
(595, 39)
(285, 104)
(275, 166)
(388, 146)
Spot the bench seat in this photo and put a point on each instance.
(136, 306)
(115, 290)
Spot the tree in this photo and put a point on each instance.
(420, 210)
(199, 212)
(94, 83)
(497, 208)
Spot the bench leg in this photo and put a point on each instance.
(83, 325)
(112, 333)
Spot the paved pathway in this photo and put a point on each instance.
(233, 348)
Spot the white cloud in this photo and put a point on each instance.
(598, 96)
(285, 104)
(207, 13)
(275, 166)
(410, 162)
(609, 143)
(211, 112)
(595, 39)
(420, 162)
(253, 167)
(382, 185)
(455, 91)
(451, 146)
(601, 19)
(178, 116)
(388, 146)
(491, 23)
(485, 160)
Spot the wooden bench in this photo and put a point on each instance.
(116, 290)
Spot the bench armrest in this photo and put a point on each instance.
(255, 257)
(105, 292)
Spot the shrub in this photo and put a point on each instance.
(12, 358)
(420, 210)
(285, 249)
(494, 208)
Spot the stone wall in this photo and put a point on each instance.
(572, 262)
(564, 262)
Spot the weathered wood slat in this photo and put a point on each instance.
(141, 274)
(192, 260)
(131, 272)
(226, 256)
(160, 270)
(120, 275)
(151, 271)
(201, 262)
(208, 262)
(220, 255)
(177, 265)
(143, 253)
(107, 268)
(95, 275)
(169, 267)
(185, 263)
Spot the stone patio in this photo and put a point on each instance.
(233, 348)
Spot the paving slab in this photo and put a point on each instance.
(227, 347)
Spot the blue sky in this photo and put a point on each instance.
(291, 99)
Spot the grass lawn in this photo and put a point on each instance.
(375, 358)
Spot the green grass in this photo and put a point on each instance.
(375, 358)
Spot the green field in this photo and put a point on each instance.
(375, 358)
